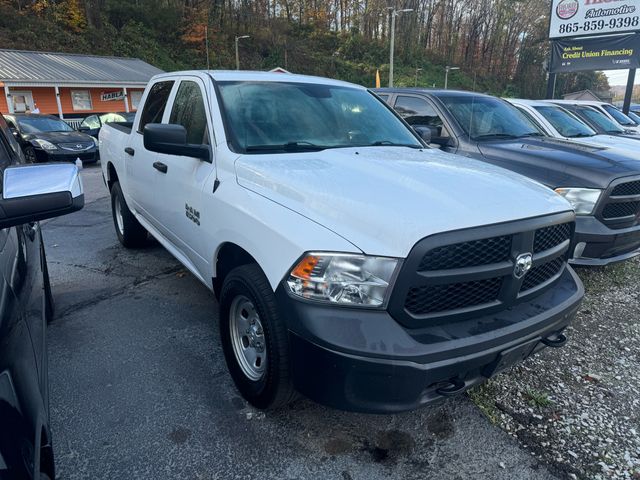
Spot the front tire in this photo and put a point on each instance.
(30, 155)
(254, 339)
(129, 231)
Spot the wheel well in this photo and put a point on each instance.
(229, 257)
(112, 175)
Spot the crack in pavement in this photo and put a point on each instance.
(117, 292)
(108, 271)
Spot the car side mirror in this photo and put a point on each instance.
(83, 129)
(172, 140)
(36, 192)
(423, 132)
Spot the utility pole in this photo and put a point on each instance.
(394, 14)
(206, 43)
(447, 69)
(237, 53)
(416, 82)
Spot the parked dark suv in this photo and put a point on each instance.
(29, 193)
(602, 184)
(45, 138)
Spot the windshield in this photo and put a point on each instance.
(264, 117)
(634, 116)
(619, 117)
(600, 119)
(565, 123)
(486, 118)
(42, 124)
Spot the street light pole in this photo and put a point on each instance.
(447, 69)
(237, 53)
(394, 14)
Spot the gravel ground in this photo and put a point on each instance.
(578, 407)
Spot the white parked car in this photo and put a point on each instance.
(609, 110)
(352, 263)
(558, 122)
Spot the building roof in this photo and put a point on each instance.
(588, 95)
(34, 68)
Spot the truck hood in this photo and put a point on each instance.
(629, 146)
(383, 199)
(562, 163)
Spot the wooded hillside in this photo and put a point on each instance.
(500, 45)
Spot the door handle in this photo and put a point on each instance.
(161, 167)
(130, 151)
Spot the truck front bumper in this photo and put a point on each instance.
(363, 360)
(595, 244)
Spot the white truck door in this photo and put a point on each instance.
(141, 176)
(180, 211)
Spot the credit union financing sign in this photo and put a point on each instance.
(581, 18)
(604, 53)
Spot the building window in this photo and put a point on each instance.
(81, 100)
(135, 99)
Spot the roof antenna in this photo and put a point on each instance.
(206, 40)
(473, 100)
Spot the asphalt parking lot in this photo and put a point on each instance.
(139, 387)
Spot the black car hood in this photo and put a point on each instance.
(60, 137)
(561, 163)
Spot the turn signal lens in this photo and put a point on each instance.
(357, 280)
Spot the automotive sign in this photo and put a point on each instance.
(581, 18)
(602, 53)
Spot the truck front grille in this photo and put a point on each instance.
(443, 280)
(620, 207)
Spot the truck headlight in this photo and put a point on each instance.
(583, 200)
(344, 279)
(44, 144)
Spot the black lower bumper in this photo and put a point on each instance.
(597, 245)
(87, 156)
(363, 360)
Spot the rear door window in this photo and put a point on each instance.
(155, 104)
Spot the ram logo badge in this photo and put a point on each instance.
(192, 214)
(524, 263)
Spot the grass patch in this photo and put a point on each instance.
(484, 397)
(537, 399)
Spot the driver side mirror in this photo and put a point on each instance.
(423, 132)
(37, 192)
(83, 128)
(172, 140)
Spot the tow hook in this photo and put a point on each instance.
(453, 387)
(556, 341)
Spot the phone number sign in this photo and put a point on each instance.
(580, 18)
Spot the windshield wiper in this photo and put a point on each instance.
(389, 143)
(488, 136)
(532, 134)
(287, 147)
(580, 135)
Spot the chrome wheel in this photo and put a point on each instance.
(118, 213)
(247, 338)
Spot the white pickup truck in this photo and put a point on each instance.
(353, 264)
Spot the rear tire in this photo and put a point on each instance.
(129, 231)
(254, 339)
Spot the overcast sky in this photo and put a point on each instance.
(619, 77)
